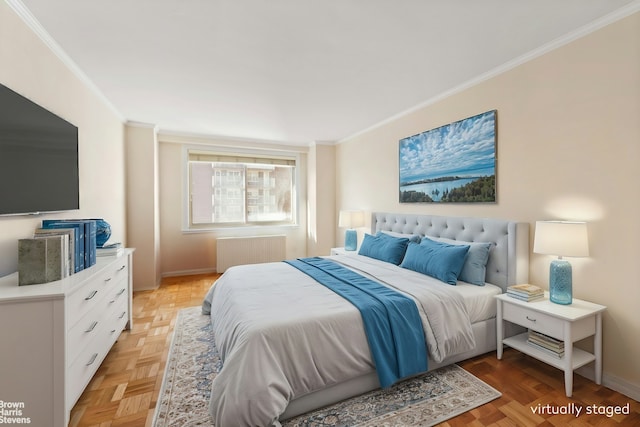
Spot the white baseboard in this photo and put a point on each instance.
(174, 274)
(148, 288)
(145, 288)
(613, 382)
(188, 272)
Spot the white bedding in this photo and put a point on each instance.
(281, 335)
(479, 300)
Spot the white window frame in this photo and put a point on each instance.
(186, 205)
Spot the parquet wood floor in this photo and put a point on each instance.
(125, 389)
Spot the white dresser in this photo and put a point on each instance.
(54, 336)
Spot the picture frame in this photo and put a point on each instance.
(454, 163)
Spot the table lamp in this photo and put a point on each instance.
(351, 220)
(561, 238)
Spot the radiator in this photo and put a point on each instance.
(249, 250)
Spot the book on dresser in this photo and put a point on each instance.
(86, 229)
(69, 244)
(110, 249)
(525, 292)
(78, 240)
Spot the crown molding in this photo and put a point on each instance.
(133, 123)
(178, 137)
(326, 143)
(34, 25)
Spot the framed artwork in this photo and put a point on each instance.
(454, 163)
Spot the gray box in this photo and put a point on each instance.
(40, 260)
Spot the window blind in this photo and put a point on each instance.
(200, 156)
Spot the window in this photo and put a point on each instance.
(237, 189)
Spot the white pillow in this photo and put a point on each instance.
(412, 237)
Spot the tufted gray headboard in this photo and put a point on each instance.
(509, 256)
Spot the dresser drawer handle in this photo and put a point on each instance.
(108, 279)
(91, 295)
(122, 268)
(530, 319)
(92, 327)
(122, 315)
(117, 295)
(93, 359)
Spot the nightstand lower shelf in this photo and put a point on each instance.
(579, 357)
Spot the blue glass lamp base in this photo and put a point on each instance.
(350, 240)
(560, 288)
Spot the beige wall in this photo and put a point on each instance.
(568, 148)
(30, 68)
(185, 252)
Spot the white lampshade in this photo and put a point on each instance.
(561, 238)
(351, 219)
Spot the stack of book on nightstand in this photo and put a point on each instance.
(525, 292)
(546, 343)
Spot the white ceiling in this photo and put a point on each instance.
(297, 71)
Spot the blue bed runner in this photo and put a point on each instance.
(391, 320)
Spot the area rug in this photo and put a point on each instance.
(425, 400)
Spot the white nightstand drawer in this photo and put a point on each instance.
(533, 319)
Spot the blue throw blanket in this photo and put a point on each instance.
(391, 320)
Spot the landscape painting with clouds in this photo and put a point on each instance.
(452, 163)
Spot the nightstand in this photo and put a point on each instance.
(569, 323)
(341, 251)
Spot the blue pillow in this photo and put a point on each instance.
(474, 270)
(435, 259)
(384, 247)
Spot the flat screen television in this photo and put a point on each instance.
(38, 158)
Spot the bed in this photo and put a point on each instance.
(290, 345)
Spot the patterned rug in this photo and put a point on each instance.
(422, 401)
